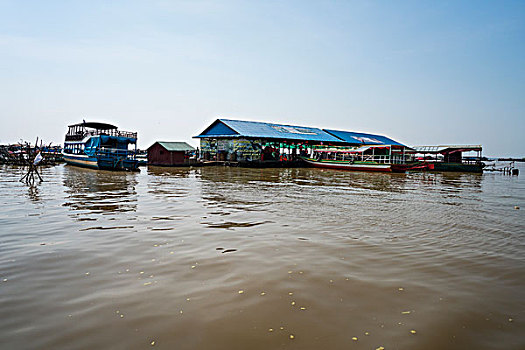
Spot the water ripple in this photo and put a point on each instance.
(231, 258)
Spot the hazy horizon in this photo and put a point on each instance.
(422, 73)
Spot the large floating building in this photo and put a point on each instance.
(256, 142)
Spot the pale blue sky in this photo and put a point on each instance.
(420, 72)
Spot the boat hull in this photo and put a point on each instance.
(102, 163)
(80, 160)
(388, 168)
(456, 167)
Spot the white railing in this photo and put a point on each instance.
(382, 159)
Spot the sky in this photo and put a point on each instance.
(420, 72)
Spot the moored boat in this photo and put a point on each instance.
(100, 146)
(450, 158)
(382, 158)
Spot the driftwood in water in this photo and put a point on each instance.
(29, 177)
(33, 159)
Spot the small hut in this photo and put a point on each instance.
(170, 153)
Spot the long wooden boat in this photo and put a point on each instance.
(383, 158)
(100, 146)
(357, 166)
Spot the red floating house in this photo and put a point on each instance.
(170, 154)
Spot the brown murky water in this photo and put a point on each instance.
(228, 258)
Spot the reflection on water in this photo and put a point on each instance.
(232, 258)
(33, 193)
(99, 192)
(164, 181)
(169, 171)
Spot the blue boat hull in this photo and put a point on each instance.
(101, 162)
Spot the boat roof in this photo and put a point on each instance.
(174, 146)
(96, 125)
(228, 128)
(447, 148)
(360, 138)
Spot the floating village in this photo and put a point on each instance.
(228, 142)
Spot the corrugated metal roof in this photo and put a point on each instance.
(359, 138)
(240, 128)
(175, 146)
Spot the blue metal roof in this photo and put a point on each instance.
(359, 138)
(239, 128)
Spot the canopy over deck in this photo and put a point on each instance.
(96, 125)
(444, 149)
(77, 132)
